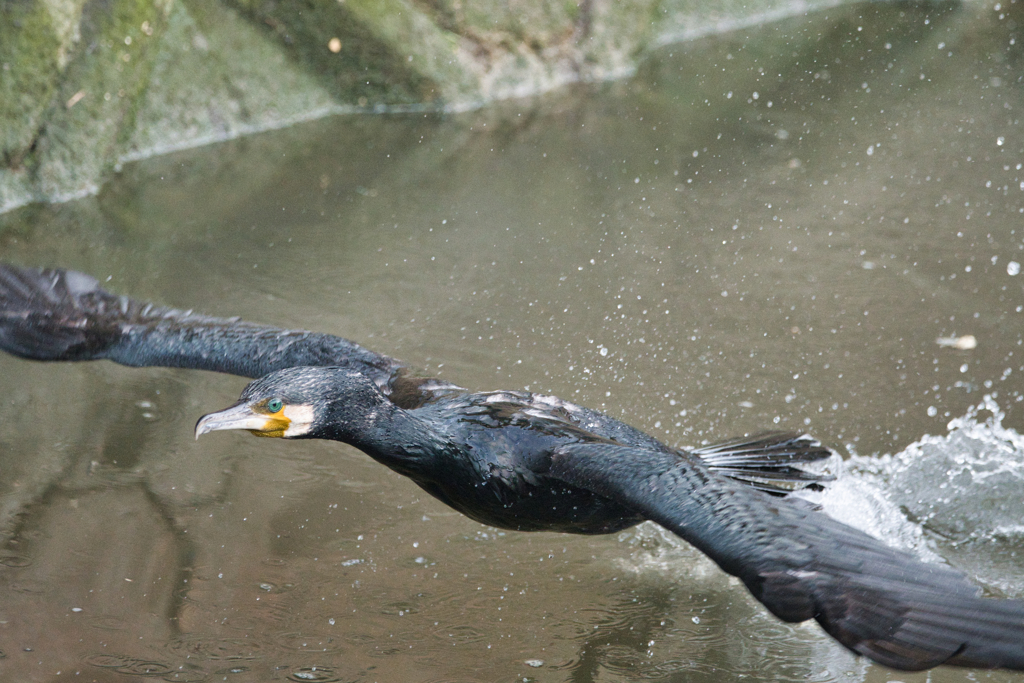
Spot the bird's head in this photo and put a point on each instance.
(303, 402)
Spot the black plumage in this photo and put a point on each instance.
(525, 461)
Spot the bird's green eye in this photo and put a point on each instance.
(274, 405)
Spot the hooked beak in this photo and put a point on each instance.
(241, 416)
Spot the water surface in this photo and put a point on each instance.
(765, 229)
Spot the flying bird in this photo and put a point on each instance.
(531, 462)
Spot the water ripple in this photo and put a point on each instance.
(308, 642)
(108, 661)
(134, 666)
(458, 634)
(108, 623)
(318, 674)
(190, 675)
(217, 648)
(15, 561)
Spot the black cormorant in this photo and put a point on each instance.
(524, 461)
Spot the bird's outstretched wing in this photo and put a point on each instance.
(65, 315)
(876, 600)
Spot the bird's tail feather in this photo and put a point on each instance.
(769, 460)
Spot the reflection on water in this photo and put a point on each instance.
(766, 228)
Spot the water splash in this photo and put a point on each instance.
(962, 492)
(957, 498)
(967, 485)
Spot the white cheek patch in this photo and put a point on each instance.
(300, 420)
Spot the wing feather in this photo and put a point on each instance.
(801, 564)
(64, 315)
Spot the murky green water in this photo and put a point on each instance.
(765, 229)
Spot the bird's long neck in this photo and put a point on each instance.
(390, 435)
